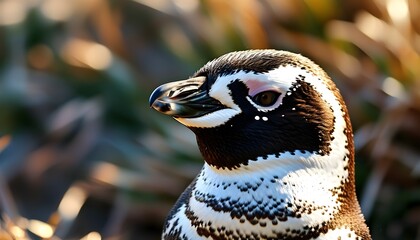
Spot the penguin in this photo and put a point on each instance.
(278, 151)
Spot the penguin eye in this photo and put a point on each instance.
(266, 98)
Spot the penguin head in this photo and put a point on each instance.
(254, 105)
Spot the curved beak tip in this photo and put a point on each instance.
(154, 96)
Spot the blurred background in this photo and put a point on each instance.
(83, 157)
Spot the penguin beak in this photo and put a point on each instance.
(184, 99)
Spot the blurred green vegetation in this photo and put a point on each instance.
(83, 157)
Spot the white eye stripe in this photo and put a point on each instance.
(220, 91)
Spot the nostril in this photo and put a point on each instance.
(161, 106)
(183, 91)
(182, 94)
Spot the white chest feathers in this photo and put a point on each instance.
(272, 203)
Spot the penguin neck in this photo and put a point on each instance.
(295, 186)
(292, 175)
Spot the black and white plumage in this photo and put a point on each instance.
(278, 149)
